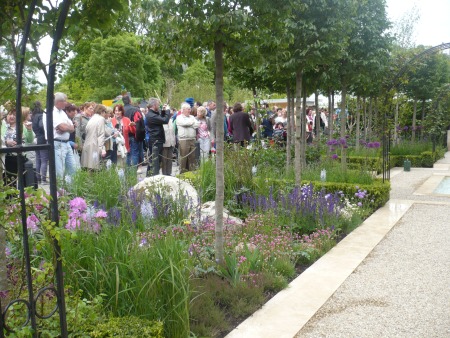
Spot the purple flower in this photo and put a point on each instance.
(405, 128)
(7, 251)
(359, 204)
(78, 203)
(334, 156)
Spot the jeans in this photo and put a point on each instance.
(205, 147)
(134, 153)
(41, 165)
(64, 160)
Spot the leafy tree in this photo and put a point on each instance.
(367, 49)
(424, 79)
(189, 28)
(197, 82)
(318, 29)
(117, 62)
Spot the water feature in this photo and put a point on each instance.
(443, 187)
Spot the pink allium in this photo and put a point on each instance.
(101, 214)
(32, 223)
(78, 203)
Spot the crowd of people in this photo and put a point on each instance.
(92, 135)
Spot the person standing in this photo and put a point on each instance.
(240, 125)
(187, 125)
(62, 127)
(95, 139)
(39, 131)
(122, 143)
(9, 139)
(136, 146)
(155, 122)
(168, 146)
(203, 133)
(81, 120)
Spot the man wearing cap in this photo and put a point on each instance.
(62, 127)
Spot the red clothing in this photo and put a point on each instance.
(126, 129)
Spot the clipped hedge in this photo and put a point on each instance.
(368, 163)
(378, 192)
(425, 160)
(128, 326)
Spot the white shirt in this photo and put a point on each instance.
(59, 116)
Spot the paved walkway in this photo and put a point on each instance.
(388, 278)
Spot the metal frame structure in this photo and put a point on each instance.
(30, 303)
(387, 132)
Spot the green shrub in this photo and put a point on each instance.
(128, 326)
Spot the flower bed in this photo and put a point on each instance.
(147, 258)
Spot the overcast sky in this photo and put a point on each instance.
(433, 27)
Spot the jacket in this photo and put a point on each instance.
(38, 128)
(241, 126)
(155, 127)
(186, 126)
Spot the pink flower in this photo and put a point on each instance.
(32, 223)
(101, 214)
(78, 203)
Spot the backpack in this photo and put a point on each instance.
(140, 129)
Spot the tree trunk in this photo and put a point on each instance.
(413, 134)
(369, 120)
(316, 103)
(303, 131)
(220, 186)
(293, 122)
(288, 129)
(376, 118)
(396, 120)
(330, 114)
(422, 121)
(298, 125)
(358, 120)
(343, 122)
(3, 269)
(365, 119)
(257, 120)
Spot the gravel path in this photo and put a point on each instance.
(402, 289)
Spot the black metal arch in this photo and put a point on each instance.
(31, 313)
(386, 141)
(417, 57)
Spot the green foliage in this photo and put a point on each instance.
(151, 281)
(128, 326)
(106, 186)
(118, 61)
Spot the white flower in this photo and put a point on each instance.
(146, 210)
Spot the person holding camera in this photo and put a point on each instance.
(154, 122)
